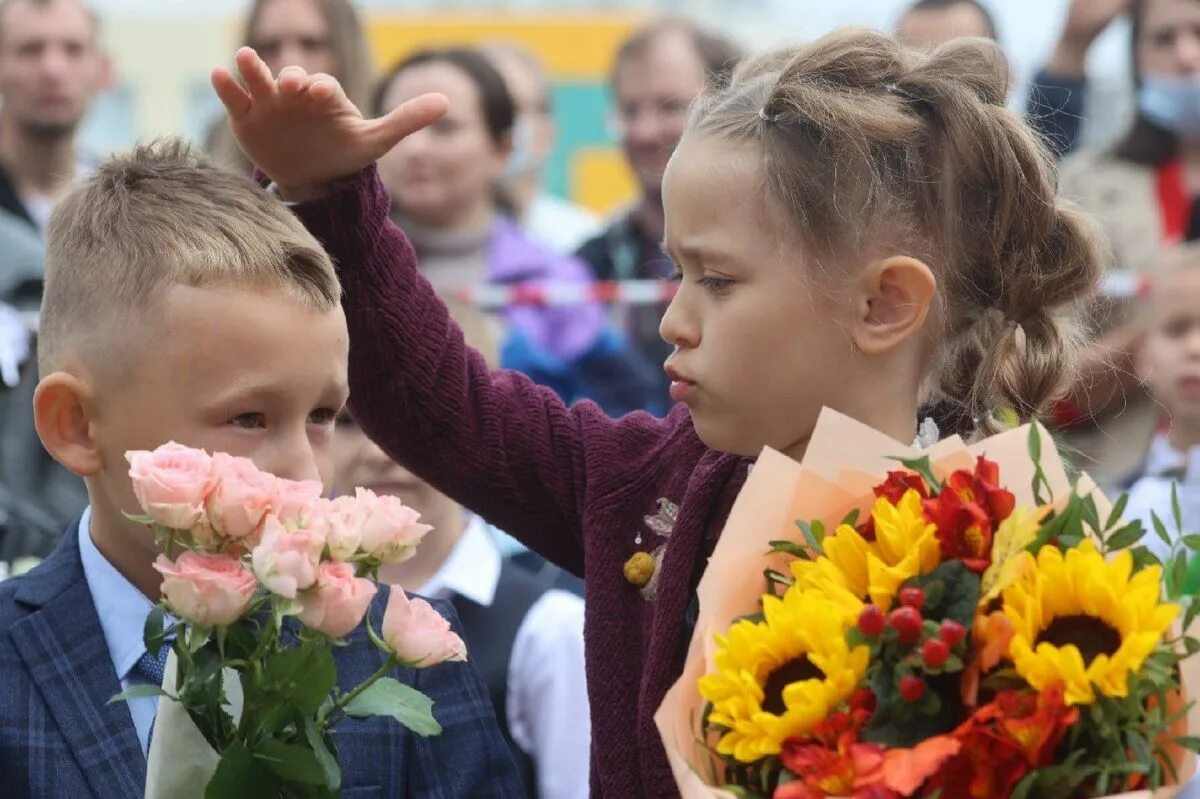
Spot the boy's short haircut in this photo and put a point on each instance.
(158, 216)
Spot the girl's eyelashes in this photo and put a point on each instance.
(715, 284)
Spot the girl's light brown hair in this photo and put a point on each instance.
(876, 149)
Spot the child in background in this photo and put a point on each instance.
(1169, 364)
(854, 224)
(183, 304)
(524, 635)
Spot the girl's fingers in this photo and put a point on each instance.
(255, 73)
(292, 81)
(324, 88)
(233, 96)
(407, 118)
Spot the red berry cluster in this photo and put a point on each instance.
(907, 622)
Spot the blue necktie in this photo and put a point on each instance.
(152, 667)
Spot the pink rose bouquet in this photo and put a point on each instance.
(262, 577)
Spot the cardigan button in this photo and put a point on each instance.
(639, 568)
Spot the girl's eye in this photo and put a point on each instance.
(714, 283)
(249, 421)
(323, 416)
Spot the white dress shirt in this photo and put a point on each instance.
(122, 609)
(547, 691)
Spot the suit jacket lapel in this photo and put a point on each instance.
(64, 650)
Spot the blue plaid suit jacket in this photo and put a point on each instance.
(59, 738)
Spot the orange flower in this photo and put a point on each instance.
(967, 513)
(1002, 742)
(833, 762)
(990, 637)
(905, 770)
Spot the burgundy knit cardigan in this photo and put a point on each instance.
(571, 483)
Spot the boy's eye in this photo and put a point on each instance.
(249, 421)
(323, 416)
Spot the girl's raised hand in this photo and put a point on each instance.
(302, 130)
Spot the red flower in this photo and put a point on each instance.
(1002, 741)
(892, 489)
(833, 762)
(967, 513)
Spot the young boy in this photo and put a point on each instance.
(183, 303)
(1169, 363)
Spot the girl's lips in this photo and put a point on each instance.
(680, 389)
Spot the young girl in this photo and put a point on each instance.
(853, 223)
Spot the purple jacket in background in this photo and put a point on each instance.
(564, 332)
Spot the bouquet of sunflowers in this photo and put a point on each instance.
(963, 622)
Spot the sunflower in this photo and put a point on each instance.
(776, 679)
(1084, 622)
(855, 570)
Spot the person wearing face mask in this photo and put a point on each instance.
(442, 181)
(1144, 193)
(560, 225)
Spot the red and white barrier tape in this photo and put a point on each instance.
(653, 292)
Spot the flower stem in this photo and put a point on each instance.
(347, 698)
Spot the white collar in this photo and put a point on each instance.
(121, 607)
(472, 570)
(1162, 458)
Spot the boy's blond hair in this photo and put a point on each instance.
(159, 216)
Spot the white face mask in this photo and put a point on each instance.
(520, 160)
(1172, 103)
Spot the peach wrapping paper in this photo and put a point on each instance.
(844, 461)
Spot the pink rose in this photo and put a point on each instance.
(242, 497)
(390, 530)
(337, 604)
(171, 484)
(294, 500)
(418, 634)
(285, 561)
(344, 517)
(209, 590)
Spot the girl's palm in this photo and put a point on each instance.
(302, 130)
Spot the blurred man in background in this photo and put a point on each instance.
(52, 67)
(658, 72)
(1057, 94)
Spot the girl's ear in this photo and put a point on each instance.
(893, 302)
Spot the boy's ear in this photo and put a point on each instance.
(63, 411)
(894, 298)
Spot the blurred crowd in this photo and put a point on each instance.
(469, 193)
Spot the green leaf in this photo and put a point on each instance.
(240, 641)
(814, 534)
(240, 776)
(1178, 572)
(1176, 513)
(1189, 742)
(138, 692)
(851, 519)
(1089, 514)
(387, 697)
(291, 762)
(1114, 516)
(951, 592)
(152, 632)
(1127, 536)
(788, 548)
(1160, 529)
(197, 637)
(327, 760)
(924, 468)
(304, 675)
(1192, 541)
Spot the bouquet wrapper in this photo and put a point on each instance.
(844, 461)
(180, 762)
